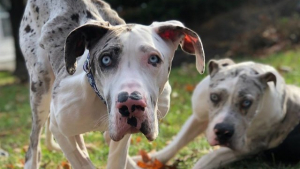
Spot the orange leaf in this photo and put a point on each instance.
(65, 165)
(22, 161)
(143, 165)
(158, 164)
(146, 158)
(189, 87)
(148, 163)
(10, 166)
(138, 139)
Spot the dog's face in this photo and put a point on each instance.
(235, 96)
(131, 65)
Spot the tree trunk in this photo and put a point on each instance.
(16, 12)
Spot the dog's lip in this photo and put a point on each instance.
(222, 144)
(216, 142)
(130, 130)
(151, 137)
(125, 130)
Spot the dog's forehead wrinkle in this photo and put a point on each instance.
(147, 48)
(250, 83)
(239, 77)
(218, 81)
(243, 93)
(107, 43)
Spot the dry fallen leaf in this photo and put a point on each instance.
(138, 139)
(146, 158)
(10, 166)
(65, 165)
(148, 163)
(25, 148)
(189, 87)
(158, 164)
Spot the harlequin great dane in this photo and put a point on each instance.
(245, 108)
(93, 72)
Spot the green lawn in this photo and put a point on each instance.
(15, 122)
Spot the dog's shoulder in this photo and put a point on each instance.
(291, 109)
(107, 13)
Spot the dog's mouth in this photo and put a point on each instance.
(221, 143)
(232, 144)
(129, 122)
(131, 112)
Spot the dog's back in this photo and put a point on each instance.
(46, 24)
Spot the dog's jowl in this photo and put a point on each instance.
(94, 72)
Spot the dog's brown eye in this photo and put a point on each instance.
(245, 104)
(214, 98)
(106, 60)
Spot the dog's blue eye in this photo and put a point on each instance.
(154, 59)
(214, 98)
(246, 104)
(106, 60)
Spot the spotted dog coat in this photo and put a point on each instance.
(246, 108)
(129, 65)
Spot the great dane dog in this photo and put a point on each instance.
(245, 108)
(92, 72)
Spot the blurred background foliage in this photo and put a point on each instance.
(146, 11)
(232, 28)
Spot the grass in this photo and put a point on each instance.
(15, 122)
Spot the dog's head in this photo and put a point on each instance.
(235, 95)
(131, 65)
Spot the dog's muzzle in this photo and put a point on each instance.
(224, 133)
(131, 106)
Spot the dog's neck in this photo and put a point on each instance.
(90, 76)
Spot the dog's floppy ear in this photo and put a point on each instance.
(188, 39)
(81, 38)
(267, 77)
(215, 65)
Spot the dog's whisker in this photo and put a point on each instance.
(102, 120)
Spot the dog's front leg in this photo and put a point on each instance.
(49, 141)
(73, 148)
(118, 152)
(191, 129)
(218, 158)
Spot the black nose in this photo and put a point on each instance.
(122, 97)
(223, 132)
(135, 95)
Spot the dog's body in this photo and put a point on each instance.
(245, 108)
(126, 65)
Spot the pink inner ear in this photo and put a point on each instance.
(188, 43)
(169, 34)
